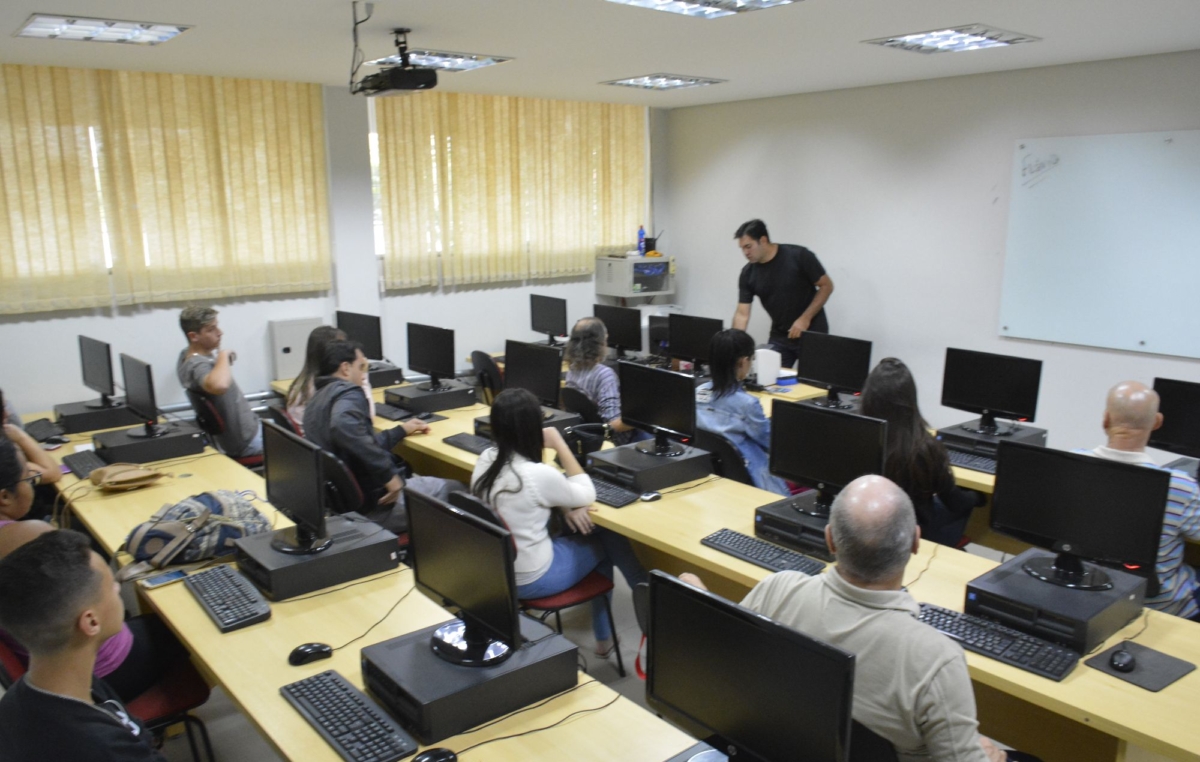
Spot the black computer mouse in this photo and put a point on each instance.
(309, 652)
(650, 497)
(436, 755)
(1122, 661)
(424, 416)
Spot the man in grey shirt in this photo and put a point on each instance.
(206, 368)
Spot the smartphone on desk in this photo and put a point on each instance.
(166, 578)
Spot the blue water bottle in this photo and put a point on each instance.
(641, 240)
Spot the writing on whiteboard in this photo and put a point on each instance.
(1035, 168)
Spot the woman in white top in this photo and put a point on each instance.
(525, 492)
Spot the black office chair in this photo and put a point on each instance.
(727, 459)
(491, 379)
(575, 401)
(280, 417)
(868, 746)
(209, 419)
(341, 487)
(468, 503)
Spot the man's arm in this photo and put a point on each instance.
(945, 712)
(36, 458)
(220, 378)
(741, 316)
(824, 291)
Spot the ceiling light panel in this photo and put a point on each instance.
(663, 82)
(442, 59)
(956, 40)
(705, 9)
(47, 27)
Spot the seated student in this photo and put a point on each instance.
(1130, 414)
(916, 460)
(338, 419)
(200, 371)
(304, 386)
(525, 492)
(911, 684)
(724, 407)
(586, 347)
(58, 597)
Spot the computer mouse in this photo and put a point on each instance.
(309, 652)
(436, 755)
(650, 497)
(57, 440)
(424, 416)
(1122, 661)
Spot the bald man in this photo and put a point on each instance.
(1130, 415)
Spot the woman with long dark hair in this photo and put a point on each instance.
(724, 407)
(525, 492)
(915, 459)
(304, 386)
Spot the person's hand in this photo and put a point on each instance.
(579, 520)
(393, 487)
(799, 327)
(230, 354)
(993, 752)
(415, 426)
(552, 438)
(692, 580)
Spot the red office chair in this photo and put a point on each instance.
(594, 584)
(211, 423)
(283, 419)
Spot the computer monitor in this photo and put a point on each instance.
(548, 315)
(465, 564)
(992, 386)
(824, 448)
(750, 684)
(139, 396)
(535, 367)
(660, 402)
(295, 474)
(835, 363)
(689, 336)
(431, 350)
(1179, 403)
(95, 358)
(624, 326)
(365, 329)
(1081, 507)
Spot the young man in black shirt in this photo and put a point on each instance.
(58, 599)
(791, 283)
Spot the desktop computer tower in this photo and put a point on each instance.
(559, 419)
(781, 523)
(961, 438)
(436, 699)
(360, 549)
(1078, 619)
(632, 469)
(182, 439)
(77, 417)
(412, 397)
(385, 376)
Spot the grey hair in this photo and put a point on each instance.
(585, 347)
(876, 547)
(192, 319)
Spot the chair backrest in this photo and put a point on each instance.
(868, 746)
(11, 667)
(207, 417)
(281, 418)
(727, 459)
(491, 380)
(468, 503)
(575, 401)
(341, 487)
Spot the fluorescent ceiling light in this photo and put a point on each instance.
(663, 82)
(64, 27)
(706, 9)
(442, 59)
(956, 40)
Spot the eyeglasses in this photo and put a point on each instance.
(34, 480)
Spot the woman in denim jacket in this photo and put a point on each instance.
(724, 407)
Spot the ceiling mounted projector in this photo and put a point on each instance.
(397, 80)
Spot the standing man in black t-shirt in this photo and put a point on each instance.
(791, 283)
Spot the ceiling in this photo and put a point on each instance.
(564, 48)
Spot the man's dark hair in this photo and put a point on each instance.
(756, 229)
(192, 319)
(44, 586)
(12, 470)
(338, 352)
(724, 351)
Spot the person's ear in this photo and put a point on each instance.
(829, 540)
(1107, 421)
(1158, 421)
(89, 623)
(192, 336)
(916, 548)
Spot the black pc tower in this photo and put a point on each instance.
(108, 412)
(367, 330)
(837, 364)
(431, 351)
(151, 441)
(1179, 403)
(994, 386)
(536, 368)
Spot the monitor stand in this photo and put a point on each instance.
(1067, 570)
(662, 447)
(701, 752)
(300, 541)
(551, 341)
(458, 642)
(831, 400)
(988, 427)
(149, 430)
(104, 403)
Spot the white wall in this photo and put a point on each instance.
(902, 191)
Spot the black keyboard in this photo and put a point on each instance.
(83, 463)
(1004, 644)
(392, 413)
(229, 598)
(468, 442)
(761, 553)
(613, 495)
(356, 727)
(42, 429)
(972, 461)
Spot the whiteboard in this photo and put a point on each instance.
(1104, 242)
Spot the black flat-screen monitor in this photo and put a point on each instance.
(295, 474)
(139, 396)
(465, 564)
(834, 363)
(746, 682)
(431, 350)
(689, 337)
(1179, 403)
(548, 315)
(1081, 507)
(535, 367)
(994, 386)
(95, 358)
(624, 326)
(660, 402)
(364, 329)
(824, 448)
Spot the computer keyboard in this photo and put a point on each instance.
(42, 429)
(468, 442)
(228, 597)
(356, 727)
(83, 463)
(1004, 644)
(761, 553)
(972, 461)
(613, 495)
(392, 413)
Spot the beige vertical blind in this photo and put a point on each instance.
(506, 188)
